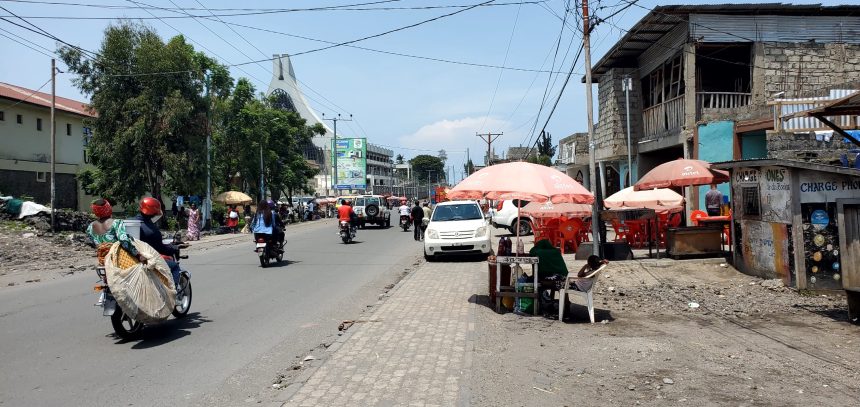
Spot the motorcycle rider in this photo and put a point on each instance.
(346, 214)
(266, 223)
(150, 214)
(404, 210)
(417, 218)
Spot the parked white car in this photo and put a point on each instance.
(505, 215)
(457, 228)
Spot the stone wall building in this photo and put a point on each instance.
(704, 77)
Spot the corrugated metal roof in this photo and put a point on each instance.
(662, 19)
(788, 107)
(24, 95)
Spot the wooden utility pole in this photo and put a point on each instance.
(586, 43)
(489, 138)
(53, 144)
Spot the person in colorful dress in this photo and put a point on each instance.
(193, 222)
(106, 231)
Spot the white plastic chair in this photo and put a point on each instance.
(569, 288)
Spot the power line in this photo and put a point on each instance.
(26, 45)
(504, 62)
(251, 11)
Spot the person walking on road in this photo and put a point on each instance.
(713, 200)
(427, 213)
(193, 222)
(417, 217)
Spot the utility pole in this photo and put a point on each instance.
(207, 205)
(595, 210)
(334, 147)
(489, 138)
(53, 143)
(262, 180)
(468, 158)
(627, 83)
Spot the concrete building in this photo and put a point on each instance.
(25, 151)
(573, 157)
(702, 77)
(380, 168)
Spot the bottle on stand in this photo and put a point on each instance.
(520, 247)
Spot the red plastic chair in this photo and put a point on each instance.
(568, 234)
(636, 236)
(584, 233)
(621, 230)
(696, 215)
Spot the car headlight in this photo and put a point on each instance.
(481, 231)
(432, 234)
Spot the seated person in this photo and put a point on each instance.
(584, 279)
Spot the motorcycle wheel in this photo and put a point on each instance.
(280, 257)
(345, 239)
(124, 326)
(264, 260)
(183, 300)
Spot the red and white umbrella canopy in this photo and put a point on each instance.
(521, 180)
(646, 198)
(551, 210)
(681, 173)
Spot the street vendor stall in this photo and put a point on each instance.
(687, 241)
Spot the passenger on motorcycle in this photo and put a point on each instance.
(105, 231)
(266, 222)
(150, 213)
(404, 210)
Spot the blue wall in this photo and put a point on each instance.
(715, 144)
(622, 172)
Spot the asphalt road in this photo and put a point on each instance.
(245, 324)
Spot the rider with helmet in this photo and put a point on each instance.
(150, 213)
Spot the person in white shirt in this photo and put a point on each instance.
(404, 210)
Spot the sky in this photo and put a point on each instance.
(411, 105)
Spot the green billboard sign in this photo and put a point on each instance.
(351, 169)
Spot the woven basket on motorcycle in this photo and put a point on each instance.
(124, 259)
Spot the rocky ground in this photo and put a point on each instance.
(686, 333)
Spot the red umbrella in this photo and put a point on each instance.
(681, 173)
(550, 210)
(521, 180)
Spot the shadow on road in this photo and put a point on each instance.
(577, 313)
(166, 332)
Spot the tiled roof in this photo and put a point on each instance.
(43, 99)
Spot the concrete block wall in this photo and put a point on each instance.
(804, 146)
(611, 130)
(803, 69)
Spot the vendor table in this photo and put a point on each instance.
(509, 291)
(694, 241)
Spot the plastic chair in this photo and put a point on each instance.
(569, 288)
(636, 233)
(568, 232)
(621, 230)
(584, 235)
(696, 215)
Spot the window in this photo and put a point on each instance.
(68, 129)
(41, 176)
(469, 211)
(39, 124)
(2, 116)
(19, 119)
(751, 201)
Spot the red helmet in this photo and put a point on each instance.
(150, 206)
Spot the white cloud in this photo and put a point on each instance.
(457, 134)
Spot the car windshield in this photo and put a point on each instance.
(359, 202)
(464, 211)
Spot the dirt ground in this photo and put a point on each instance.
(745, 344)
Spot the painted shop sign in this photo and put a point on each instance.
(746, 176)
(816, 186)
(775, 195)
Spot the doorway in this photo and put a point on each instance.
(848, 213)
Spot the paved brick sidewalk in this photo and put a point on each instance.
(414, 350)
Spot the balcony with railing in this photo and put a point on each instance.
(663, 117)
(722, 100)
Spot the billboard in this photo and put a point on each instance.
(351, 169)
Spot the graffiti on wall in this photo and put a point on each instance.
(821, 245)
(775, 195)
(766, 249)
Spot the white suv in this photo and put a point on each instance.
(505, 215)
(456, 227)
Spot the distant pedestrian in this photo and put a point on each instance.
(193, 222)
(713, 200)
(417, 217)
(233, 219)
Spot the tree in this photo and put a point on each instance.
(427, 165)
(469, 167)
(150, 126)
(545, 149)
(399, 159)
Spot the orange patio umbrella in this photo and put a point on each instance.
(681, 173)
(646, 198)
(551, 210)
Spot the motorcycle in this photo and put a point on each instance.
(347, 232)
(124, 326)
(404, 222)
(268, 248)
